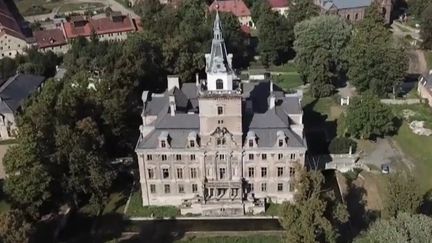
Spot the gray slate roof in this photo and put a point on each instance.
(17, 89)
(264, 122)
(345, 4)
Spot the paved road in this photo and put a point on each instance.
(114, 5)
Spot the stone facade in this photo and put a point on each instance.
(219, 146)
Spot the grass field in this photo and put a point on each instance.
(34, 7)
(418, 148)
(288, 81)
(137, 210)
(70, 7)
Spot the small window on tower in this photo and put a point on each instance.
(219, 84)
(220, 110)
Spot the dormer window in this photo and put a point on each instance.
(219, 84)
(281, 143)
(281, 139)
(192, 139)
(192, 143)
(251, 139)
(163, 140)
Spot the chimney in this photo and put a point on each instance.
(271, 87)
(173, 81)
(197, 79)
(272, 101)
(172, 105)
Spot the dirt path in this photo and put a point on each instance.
(417, 62)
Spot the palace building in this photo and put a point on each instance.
(220, 146)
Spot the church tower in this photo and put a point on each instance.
(218, 62)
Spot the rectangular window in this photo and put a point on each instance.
(263, 172)
(165, 173)
(251, 156)
(251, 187)
(163, 144)
(280, 171)
(178, 156)
(167, 189)
(164, 157)
(291, 187)
(293, 156)
(280, 156)
(222, 156)
(150, 173)
(193, 172)
(220, 110)
(149, 157)
(222, 173)
(179, 173)
(181, 189)
(192, 157)
(194, 188)
(192, 143)
(291, 171)
(251, 172)
(264, 156)
(251, 143)
(279, 187)
(152, 188)
(264, 187)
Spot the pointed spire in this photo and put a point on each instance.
(217, 26)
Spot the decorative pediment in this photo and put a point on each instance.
(221, 137)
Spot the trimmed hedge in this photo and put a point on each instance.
(341, 145)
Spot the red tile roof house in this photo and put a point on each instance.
(51, 39)
(238, 8)
(280, 6)
(112, 28)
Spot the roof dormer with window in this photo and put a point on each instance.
(251, 140)
(164, 140)
(281, 139)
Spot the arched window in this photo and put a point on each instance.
(219, 84)
(356, 16)
(348, 17)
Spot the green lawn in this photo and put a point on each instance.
(288, 81)
(70, 7)
(418, 148)
(287, 67)
(137, 210)
(234, 239)
(428, 55)
(34, 7)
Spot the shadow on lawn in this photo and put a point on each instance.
(360, 216)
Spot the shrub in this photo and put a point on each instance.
(341, 145)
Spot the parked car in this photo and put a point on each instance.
(385, 168)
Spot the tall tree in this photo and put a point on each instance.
(403, 195)
(275, 37)
(320, 45)
(426, 27)
(375, 62)
(28, 181)
(305, 220)
(300, 10)
(14, 227)
(404, 228)
(368, 118)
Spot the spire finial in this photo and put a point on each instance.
(217, 27)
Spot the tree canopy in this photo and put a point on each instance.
(306, 220)
(14, 227)
(320, 45)
(368, 118)
(403, 228)
(375, 62)
(403, 195)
